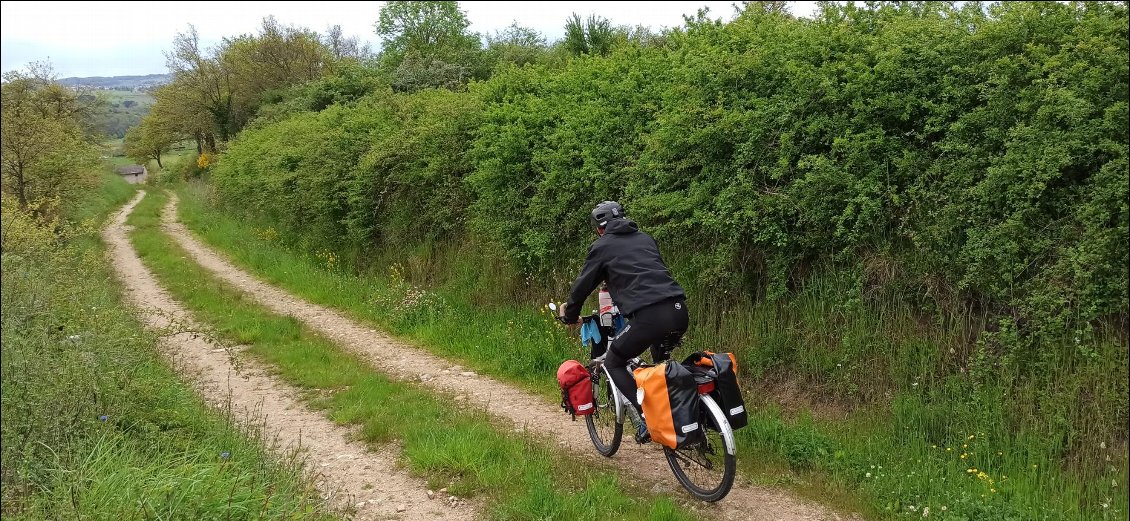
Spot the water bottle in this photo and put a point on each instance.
(606, 307)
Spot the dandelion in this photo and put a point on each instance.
(949, 449)
(965, 445)
(963, 455)
(933, 446)
(970, 437)
(993, 490)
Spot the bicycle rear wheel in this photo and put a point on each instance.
(604, 428)
(707, 469)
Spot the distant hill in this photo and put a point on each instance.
(118, 82)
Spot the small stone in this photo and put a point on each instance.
(361, 504)
(443, 490)
(467, 373)
(431, 494)
(461, 397)
(401, 508)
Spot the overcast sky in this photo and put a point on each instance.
(127, 38)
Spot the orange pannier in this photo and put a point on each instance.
(669, 398)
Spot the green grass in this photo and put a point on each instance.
(898, 409)
(95, 424)
(521, 478)
(110, 194)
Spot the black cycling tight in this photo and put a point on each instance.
(653, 326)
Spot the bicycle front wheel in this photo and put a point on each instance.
(707, 469)
(604, 427)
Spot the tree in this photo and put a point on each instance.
(278, 57)
(433, 35)
(345, 48)
(203, 79)
(150, 139)
(44, 151)
(176, 106)
(515, 44)
(593, 36)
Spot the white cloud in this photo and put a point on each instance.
(116, 38)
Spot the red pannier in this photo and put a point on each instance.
(576, 388)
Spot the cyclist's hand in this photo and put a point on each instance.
(562, 320)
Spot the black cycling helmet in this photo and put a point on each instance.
(605, 212)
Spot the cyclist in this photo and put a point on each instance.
(628, 260)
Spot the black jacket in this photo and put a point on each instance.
(629, 261)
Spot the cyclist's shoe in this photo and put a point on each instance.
(642, 436)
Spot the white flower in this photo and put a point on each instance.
(867, 475)
(925, 511)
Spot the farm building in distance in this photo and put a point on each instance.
(133, 173)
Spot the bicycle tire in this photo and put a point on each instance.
(701, 458)
(605, 429)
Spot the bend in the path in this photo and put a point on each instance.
(524, 410)
(369, 484)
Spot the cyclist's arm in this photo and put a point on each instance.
(592, 274)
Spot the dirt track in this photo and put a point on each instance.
(349, 476)
(526, 412)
